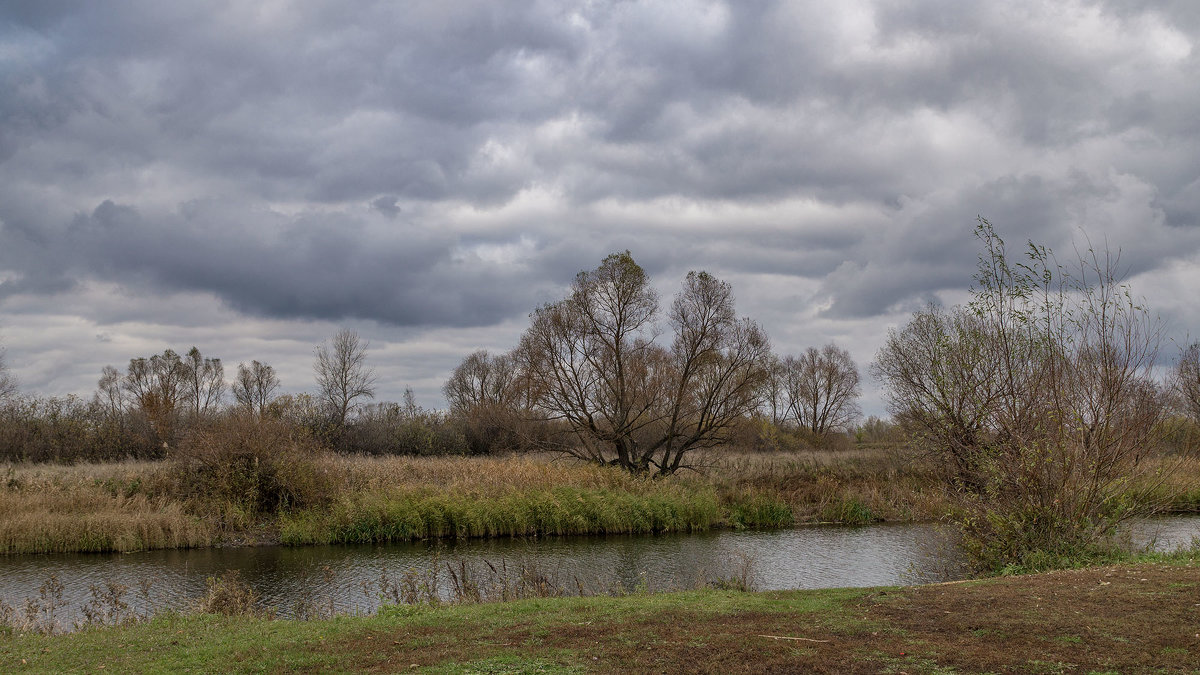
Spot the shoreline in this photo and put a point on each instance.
(1131, 616)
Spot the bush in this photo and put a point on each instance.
(390, 429)
(1038, 400)
(252, 466)
(230, 595)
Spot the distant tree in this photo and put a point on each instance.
(595, 364)
(8, 383)
(204, 381)
(255, 387)
(342, 374)
(773, 397)
(157, 386)
(482, 379)
(1187, 380)
(109, 393)
(822, 389)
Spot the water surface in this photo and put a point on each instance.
(346, 579)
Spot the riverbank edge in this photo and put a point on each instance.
(268, 534)
(1130, 616)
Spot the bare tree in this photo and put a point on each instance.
(482, 379)
(205, 382)
(1040, 393)
(342, 374)
(157, 386)
(1186, 380)
(596, 365)
(8, 383)
(822, 389)
(255, 386)
(109, 393)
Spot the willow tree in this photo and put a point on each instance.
(595, 362)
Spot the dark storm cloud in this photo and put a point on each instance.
(320, 266)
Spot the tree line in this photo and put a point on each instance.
(612, 374)
(592, 376)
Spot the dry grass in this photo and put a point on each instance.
(866, 484)
(91, 520)
(479, 476)
(129, 505)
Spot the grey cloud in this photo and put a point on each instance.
(321, 266)
(377, 162)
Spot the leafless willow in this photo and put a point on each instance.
(595, 362)
(254, 388)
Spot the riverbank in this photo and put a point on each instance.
(328, 499)
(1121, 618)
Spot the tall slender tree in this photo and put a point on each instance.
(343, 375)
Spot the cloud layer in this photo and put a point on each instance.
(430, 171)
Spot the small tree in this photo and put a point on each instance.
(1040, 395)
(254, 388)
(342, 374)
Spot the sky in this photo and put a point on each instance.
(251, 177)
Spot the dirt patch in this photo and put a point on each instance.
(1114, 618)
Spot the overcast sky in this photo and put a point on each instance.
(248, 177)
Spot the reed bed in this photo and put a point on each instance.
(94, 521)
(852, 487)
(124, 506)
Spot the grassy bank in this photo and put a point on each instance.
(334, 499)
(1123, 618)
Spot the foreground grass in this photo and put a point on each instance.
(1122, 618)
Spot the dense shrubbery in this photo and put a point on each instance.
(71, 430)
(249, 466)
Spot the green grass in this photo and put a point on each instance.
(566, 510)
(978, 626)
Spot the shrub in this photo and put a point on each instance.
(252, 466)
(1038, 399)
(230, 595)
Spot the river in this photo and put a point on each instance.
(354, 579)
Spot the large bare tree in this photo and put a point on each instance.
(342, 373)
(596, 364)
(255, 386)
